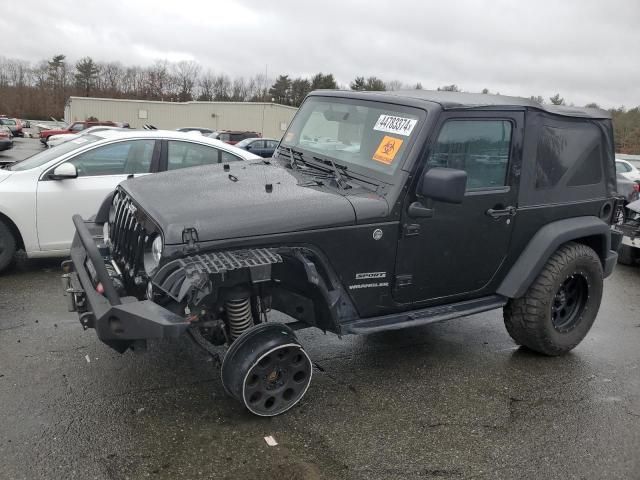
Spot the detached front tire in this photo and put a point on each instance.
(559, 308)
(7, 246)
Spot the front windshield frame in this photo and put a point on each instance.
(52, 153)
(357, 168)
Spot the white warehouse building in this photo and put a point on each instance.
(270, 119)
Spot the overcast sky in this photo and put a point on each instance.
(587, 50)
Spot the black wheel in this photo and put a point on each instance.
(559, 308)
(267, 369)
(7, 246)
(626, 255)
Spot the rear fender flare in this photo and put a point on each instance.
(546, 241)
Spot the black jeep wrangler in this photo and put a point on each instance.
(379, 211)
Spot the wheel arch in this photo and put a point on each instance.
(587, 230)
(14, 230)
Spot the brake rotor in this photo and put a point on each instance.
(267, 369)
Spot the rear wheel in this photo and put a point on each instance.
(559, 308)
(7, 246)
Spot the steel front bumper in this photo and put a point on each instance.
(118, 321)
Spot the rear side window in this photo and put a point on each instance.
(622, 167)
(227, 157)
(479, 147)
(187, 154)
(570, 155)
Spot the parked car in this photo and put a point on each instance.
(6, 140)
(234, 136)
(203, 131)
(260, 146)
(39, 195)
(75, 127)
(379, 211)
(14, 125)
(627, 188)
(55, 140)
(627, 169)
(7, 130)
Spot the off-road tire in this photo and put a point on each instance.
(626, 255)
(7, 246)
(529, 319)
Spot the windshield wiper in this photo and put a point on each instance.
(293, 163)
(340, 179)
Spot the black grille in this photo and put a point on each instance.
(127, 235)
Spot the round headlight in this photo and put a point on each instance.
(156, 248)
(105, 232)
(152, 255)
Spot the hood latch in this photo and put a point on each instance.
(190, 237)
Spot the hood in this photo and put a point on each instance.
(223, 204)
(634, 206)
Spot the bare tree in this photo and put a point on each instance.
(186, 75)
(394, 85)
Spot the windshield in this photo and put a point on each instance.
(52, 153)
(355, 133)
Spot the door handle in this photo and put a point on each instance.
(505, 212)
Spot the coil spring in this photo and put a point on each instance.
(239, 316)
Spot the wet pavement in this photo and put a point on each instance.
(452, 400)
(22, 148)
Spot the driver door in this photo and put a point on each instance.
(100, 170)
(457, 251)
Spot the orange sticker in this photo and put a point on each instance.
(387, 150)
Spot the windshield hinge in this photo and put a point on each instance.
(190, 237)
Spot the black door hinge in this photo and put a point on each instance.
(411, 229)
(190, 237)
(404, 280)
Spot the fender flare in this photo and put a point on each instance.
(546, 241)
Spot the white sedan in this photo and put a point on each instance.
(55, 140)
(627, 169)
(39, 195)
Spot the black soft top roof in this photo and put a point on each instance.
(464, 101)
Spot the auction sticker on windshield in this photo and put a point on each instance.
(393, 124)
(387, 149)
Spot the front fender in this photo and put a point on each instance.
(546, 241)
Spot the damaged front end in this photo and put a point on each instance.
(224, 293)
(129, 299)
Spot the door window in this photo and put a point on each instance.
(272, 144)
(479, 147)
(187, 154)
(77, 127)
(122, 158)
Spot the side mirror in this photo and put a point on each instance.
(444, 185)
(64, 171)
(248, 148)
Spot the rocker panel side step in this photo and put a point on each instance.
(424, 316)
